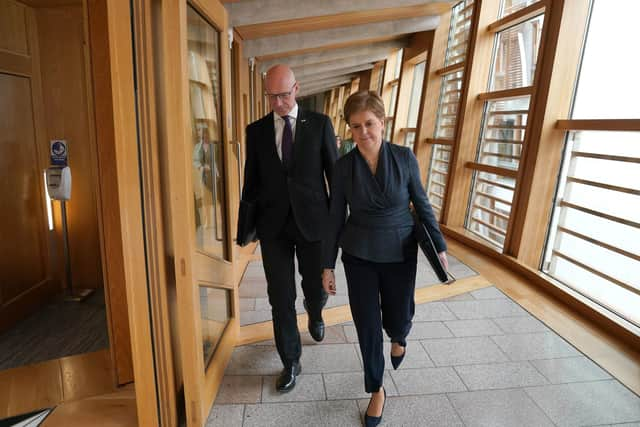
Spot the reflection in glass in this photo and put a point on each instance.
(206, 131)
(488, 214)
(437, 176)
(416, 94)
(505, 123)
(459, 32)
(448, 103)
(215, 312)
(514, 62)
(509, 6)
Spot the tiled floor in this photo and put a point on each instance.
(477, 359)
(254, 304)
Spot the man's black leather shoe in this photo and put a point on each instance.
(316, 329)
(315, 326)
(287, 379)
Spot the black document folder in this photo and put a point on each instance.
(428, 248)
(246, 223)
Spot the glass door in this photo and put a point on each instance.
(192, 59)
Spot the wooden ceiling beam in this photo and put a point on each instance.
(323, 22)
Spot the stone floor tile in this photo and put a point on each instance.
(473, 328)
(541, 345)
(247, 304)
(490, 292)
(350, 333)
(427, 381)
(500, 375)
(308, 387)
(254, 360)
(328, 413)
(462, 297)
(225, 416)
(587, 403)
(485, 309)
(423, 411)
(426, 330)
(330, 358)
(350, 385)
(572, 369)
(433, 311)
(498, 408)
(251, 317)
(239, 389)
(416, 356)
(520, 325)
(463, 351)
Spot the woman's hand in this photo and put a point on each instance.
(443, 259)
(329, 281)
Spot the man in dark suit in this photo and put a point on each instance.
(290, 153)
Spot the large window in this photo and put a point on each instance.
(502, 137)
(449, 102)
(593, 244)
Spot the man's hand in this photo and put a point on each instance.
(329, 281)
(443, 259)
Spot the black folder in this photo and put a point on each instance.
(428, 248)
(246, 223)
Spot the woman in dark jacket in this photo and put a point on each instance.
(377, 180)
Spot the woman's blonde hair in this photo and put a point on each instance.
(365, 100)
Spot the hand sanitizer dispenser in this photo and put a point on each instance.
(59, 182)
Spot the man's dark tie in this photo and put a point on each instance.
(287, 142)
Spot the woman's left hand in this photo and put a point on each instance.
(329, 281)
(443, 259)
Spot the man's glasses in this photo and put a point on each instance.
(281, 96)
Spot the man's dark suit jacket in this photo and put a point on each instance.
(302, 186)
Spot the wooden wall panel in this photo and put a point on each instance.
(13, 27)
(22, 217)
(60, 34)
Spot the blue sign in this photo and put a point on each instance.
(59, 152)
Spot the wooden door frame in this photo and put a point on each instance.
(119, 185)
(200, 385)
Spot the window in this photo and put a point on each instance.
(504, 122)
(593, 245)
(414, 104)
(449, 102)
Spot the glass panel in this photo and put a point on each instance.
(398, 64)
(490, 207)
(447, 115)
(388, 127)
(514, 62)
(206, 131)
(391, 106)
(596, 222)
(437, 177)
(608, 87)
(509, 6)
(416, 94)
(459, 32)
(503, 134)
(409, 139)
(215, 313)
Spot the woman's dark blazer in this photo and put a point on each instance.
(380, 225)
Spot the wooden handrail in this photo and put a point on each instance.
(605, 157)
(596, 272)
(600, 124)
(495, 183)
(600, 214)
(599, 243)
(492, 169)
(491, 211)
(491, 226)
(506, 93)
(605, 186)
(518, 17)
(450, 69)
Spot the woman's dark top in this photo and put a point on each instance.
(380, 226)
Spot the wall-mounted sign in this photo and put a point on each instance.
(59, 152)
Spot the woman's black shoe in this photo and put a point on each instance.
(397, 360)
(370, 421)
